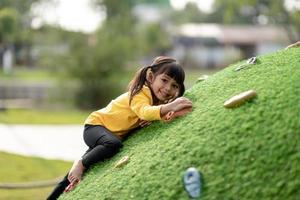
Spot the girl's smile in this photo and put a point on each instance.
(164, 87)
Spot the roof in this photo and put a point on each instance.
(241, 34)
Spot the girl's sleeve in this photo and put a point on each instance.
(141, 106)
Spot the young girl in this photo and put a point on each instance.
(154, 94)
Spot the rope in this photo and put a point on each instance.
(30, 185)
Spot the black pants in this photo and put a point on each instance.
(102, 144)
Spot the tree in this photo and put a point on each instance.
(23, 7)
(15, 23)
(190, 13)
(119, 41)
(8, 24)
(15, 18)
(115, 8)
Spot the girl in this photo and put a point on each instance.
(154, 94)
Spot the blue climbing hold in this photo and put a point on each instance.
(192, 182)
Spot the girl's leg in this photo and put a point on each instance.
(59, 189)
(61, 186)
(103, 144)
(94, 136)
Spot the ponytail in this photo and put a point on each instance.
(136, 84)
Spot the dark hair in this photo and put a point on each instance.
(160, 65)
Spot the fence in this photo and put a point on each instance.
(16, 94)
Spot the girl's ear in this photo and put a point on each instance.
(150, 76)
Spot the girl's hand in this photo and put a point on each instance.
(180, 103)
(144, 123)
(172, 115)
(176, 105)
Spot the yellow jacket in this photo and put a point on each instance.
(119, 117)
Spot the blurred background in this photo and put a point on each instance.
(82, 53)
(61, 59)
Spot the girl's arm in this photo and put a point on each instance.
(176, 105)
(141, 106)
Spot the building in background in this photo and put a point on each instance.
(215, 45)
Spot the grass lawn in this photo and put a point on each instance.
(249, 152)
(19, 116)
(27, 74)
(15, 169)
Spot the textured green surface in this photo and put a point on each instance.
(31, 116)
(22, 169)
(250, 152)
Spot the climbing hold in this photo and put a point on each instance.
(192, 182)
(202, 78)
(250, 61)
(239, 99)
(122, 162)
(297, 44)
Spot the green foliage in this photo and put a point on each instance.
(152, 39)
(190, 13)
(250, 152)
(227, 12)
(94, 65)
(14, 20)
(295, 20)
(15, 28)
(22, 7)
(119, 41)
(8, 24)
(155, 2)
(53, 51)
(93, 60)
(115, 8)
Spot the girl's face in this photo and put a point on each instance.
(164, 87)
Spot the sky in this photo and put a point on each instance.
(80, 15)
